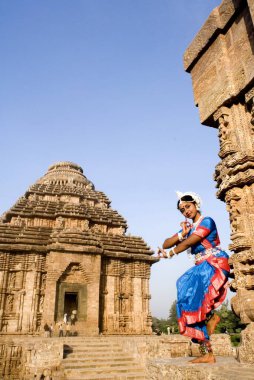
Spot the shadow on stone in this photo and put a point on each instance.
(67, 350)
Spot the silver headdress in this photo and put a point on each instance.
(195, 197)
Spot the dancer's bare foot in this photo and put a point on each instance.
(207, 358)
(212, 323)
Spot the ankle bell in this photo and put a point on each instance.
(205, 347)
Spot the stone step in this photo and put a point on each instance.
(92, 344)
(113, 371)
(89, 351)
(97, 355)
(96, 342)
(92, 359)
(93, 353)
(86, 346)
(129, 376)
(98, 365)
(96, 338)
(89, 340)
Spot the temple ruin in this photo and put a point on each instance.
(63, 249)
(220, 60)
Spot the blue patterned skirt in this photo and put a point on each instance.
(199, 291)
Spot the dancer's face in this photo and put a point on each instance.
(188, 209)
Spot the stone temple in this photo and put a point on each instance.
(63, 249)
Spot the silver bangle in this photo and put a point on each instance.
(168, 254)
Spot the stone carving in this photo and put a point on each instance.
(90, 186)
(227, 145)
(233, 197)
(41, 302)
(18, 221)
(85, 225)
(12, 280)
(252, 115)
(4, 327)
(226, 102)
(9, 303)
(116, 230)
(32, 197)
(43, 281)
(102, 205)
(97, 228)
(249, 98)
(60, 222)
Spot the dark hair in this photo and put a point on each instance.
(185, 198)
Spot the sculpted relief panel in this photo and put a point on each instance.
(125, 297)
(15, 301)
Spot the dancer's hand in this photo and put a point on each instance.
(185, 228)
(162, 253)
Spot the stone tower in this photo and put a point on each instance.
(63, 249)
(221, 62)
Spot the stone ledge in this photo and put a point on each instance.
(181, 369)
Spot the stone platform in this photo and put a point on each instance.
(116, 357)
(225, 368)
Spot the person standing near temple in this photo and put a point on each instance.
(60, 329)
(51, 330)
(202, 288)
(68, 329)
(46, 330)
(65, 318)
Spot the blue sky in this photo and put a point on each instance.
(101, 83)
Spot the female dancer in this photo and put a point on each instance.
(202, 288)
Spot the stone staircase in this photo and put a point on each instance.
(147, 358)
(99, 359)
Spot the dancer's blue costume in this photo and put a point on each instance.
(203, 287)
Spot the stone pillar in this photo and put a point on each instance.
(221, 62)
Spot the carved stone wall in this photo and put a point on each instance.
(63, 249)
(29, 358)
(22, 281)
(125, 297)
(221, 62)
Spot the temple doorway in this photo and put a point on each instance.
(70, 297)
(70, 302)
